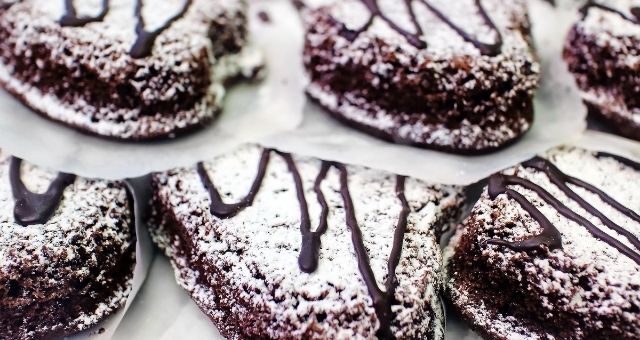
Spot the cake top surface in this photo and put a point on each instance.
(91, 223)
(587, 273)
(437, 20)
(105, 45)
(259, 247)
(612, 18)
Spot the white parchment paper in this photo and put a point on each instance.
(251, 111)
(559, 118)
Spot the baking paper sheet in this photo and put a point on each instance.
(251, 111)
(559, 118)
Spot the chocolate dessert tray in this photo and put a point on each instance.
(329, 194)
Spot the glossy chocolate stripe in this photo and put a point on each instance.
(143, 46)
(32, 208)
(218, 207)
(561, 179)
(415, 38)
(499, 183)
(633, 16)
(311, 241)
(71, 18)
(632, 164)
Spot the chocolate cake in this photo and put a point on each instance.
(125, 69)
(67, 251)
(552, 250)
(602, 52)
(457, 76)
(276, 246)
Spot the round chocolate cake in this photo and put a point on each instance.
(457, 76)
(125, 69)
(275, 246)
(546, 255)
(67, 251)
(602, 52)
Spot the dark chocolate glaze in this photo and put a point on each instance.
(31, 208)
(143, 46)
(550, 235)
(625, 161)
(311, 240)
(633, 15)
(6, 4)
(415, 38)
(218, 207)
(71, 18)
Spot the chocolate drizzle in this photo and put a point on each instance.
(218, 207)
(633, 15)
(415, 38)
(550, 236)
(71, 18)
(311, 240)
(143, 45)
(31, 208)
(145, 40)
(6, 4)
(622, 160)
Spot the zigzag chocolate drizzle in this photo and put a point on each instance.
(311, 241)
(71, 18)
(145, 40)
(31, 208)
(633, 15)
(143, 45)
(550, 236)
(415, 38)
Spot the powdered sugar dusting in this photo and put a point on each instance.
(255, 253)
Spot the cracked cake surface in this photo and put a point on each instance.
(603, 54)
(111, 72)
(66, 273)
(456, 76)
(252, 272)
(572, 273)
